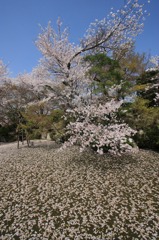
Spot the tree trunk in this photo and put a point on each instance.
(18, 140)
(28, 142)
(22, 137)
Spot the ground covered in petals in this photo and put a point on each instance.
(50, 194)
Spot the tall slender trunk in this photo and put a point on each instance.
(22, 137)
(27, 139)
(18, 140)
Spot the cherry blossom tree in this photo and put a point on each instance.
(4, 82)
(64, 61)
(14, 98)
(16, 95)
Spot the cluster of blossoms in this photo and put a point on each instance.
(97, 126)
(117, 30)
(60, 56)
(157, 97)
(3, 71)
(155, 61)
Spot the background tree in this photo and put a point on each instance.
(143, 113)
(145, 120)
(104, 72)
(148, 85)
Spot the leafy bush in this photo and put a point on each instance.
(145, 119)
(8, 133)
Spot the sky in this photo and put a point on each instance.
(20, 22)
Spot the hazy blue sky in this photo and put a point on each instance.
(20, 19)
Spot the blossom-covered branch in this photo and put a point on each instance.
(112, 33)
